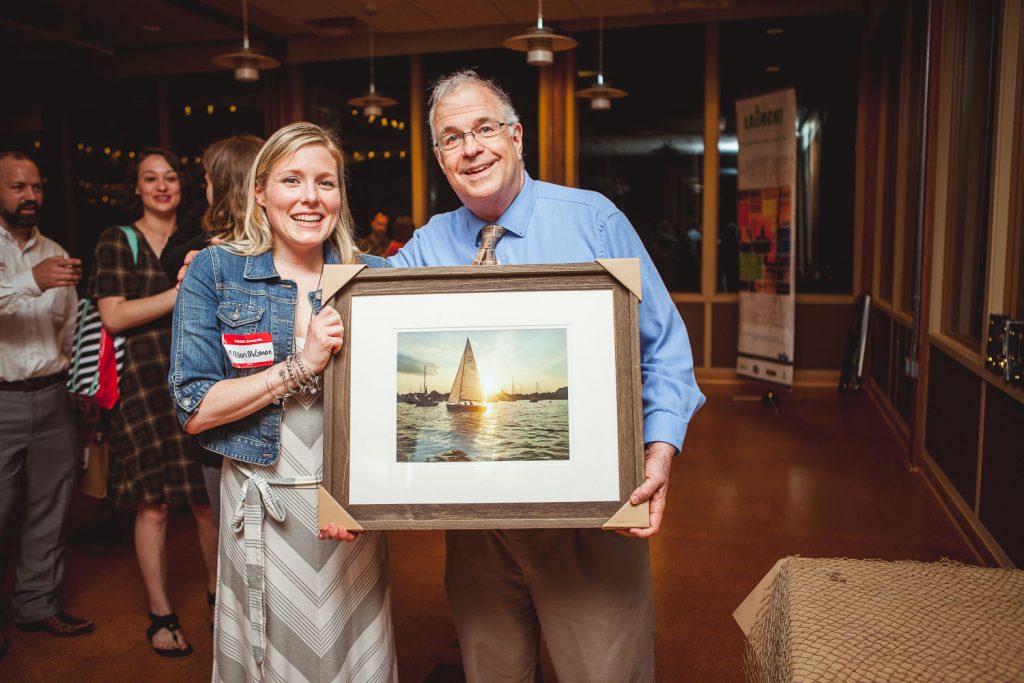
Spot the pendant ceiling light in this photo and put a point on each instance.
(246, 62)
(540, 43)
(372, 103)
(600, 94)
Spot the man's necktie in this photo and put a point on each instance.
(489, 236)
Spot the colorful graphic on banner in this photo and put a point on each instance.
(767, 187)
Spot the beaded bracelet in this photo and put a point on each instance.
(278, 400)
(301, 371)
(308, 377)
(306, 383)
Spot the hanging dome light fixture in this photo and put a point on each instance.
(246, 62)
(600, 94)
(372, 103)
(540, 43)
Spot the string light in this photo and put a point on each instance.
(209, 109)
(232, 109)
(188, 110)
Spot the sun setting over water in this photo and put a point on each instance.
(476, 395)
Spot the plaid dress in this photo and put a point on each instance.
(148, 461)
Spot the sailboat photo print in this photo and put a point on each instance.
(477, 411)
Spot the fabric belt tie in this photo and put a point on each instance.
(257, 495)
(489, 236)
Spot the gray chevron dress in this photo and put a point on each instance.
(291, 607)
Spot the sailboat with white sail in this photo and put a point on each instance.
(467, 395)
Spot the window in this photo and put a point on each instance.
(819, 57)
(646, 153)
(376, 148)
(975, 48)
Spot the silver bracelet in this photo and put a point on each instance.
(270, 388)
(309, 379)
(288, 390)
(305, 383)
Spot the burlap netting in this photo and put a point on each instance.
(869, 620)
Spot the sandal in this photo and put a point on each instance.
(169, 623)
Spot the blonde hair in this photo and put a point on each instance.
(227, 163)
(257, 236)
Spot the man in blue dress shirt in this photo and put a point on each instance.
(588, 590)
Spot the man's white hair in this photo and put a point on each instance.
(447, 85)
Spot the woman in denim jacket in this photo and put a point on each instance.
(250, 341)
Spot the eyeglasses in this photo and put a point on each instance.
(452, 141)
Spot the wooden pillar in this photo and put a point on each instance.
(284, 97)
(709, 210)
(556, 124)
(419, 145)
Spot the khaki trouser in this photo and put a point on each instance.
(588, 590)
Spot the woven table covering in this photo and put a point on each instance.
(871, 620)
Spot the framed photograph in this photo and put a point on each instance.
(485, 397)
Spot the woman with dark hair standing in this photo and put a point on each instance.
(149, 469)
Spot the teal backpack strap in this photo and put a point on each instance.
(133, 242)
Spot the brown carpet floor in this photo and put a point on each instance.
(822, 478)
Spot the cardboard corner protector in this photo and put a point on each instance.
(337, 276)
(630, 516)
(626, 271)
(331, 512)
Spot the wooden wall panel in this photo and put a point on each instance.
(693, 317)
(1001, 504)
(821, 333)
(902, 387)
(879, 351)
(725, 334)
(951, 434)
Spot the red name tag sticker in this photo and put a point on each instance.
(249, 350)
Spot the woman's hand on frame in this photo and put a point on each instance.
(324, 338)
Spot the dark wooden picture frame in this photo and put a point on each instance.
(344, 283)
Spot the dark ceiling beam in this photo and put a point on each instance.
(261, 23)
(55, 36)
(317, 49)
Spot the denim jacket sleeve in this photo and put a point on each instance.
(196, 358)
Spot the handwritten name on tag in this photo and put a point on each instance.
(249, 350)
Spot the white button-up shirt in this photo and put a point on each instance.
(37, 328)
